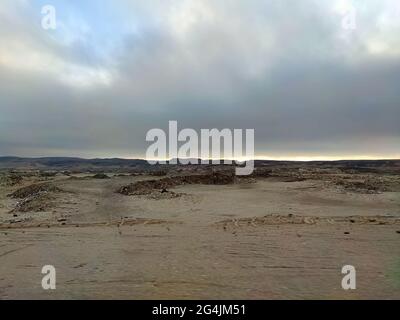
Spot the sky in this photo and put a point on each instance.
(314, 79)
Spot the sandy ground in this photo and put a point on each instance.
(268, 239)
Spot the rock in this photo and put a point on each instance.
(100, 176)
(308, 220)
(148, 186)
(33, 190)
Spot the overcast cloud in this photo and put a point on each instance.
(112, 70)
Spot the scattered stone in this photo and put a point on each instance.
(159, 173)
(11, 180)
(147, 186)
(48, 174)
(33, 190)
(308, 220)
(36, 203)
(34, 198)
(100, 176)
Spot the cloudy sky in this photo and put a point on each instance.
(310, 83)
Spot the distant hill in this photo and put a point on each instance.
(71, 163)
(58, 163)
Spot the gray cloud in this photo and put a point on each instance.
(289, 70)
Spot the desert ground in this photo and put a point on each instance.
(199, 232)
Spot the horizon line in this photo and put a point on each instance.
(291, 159)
